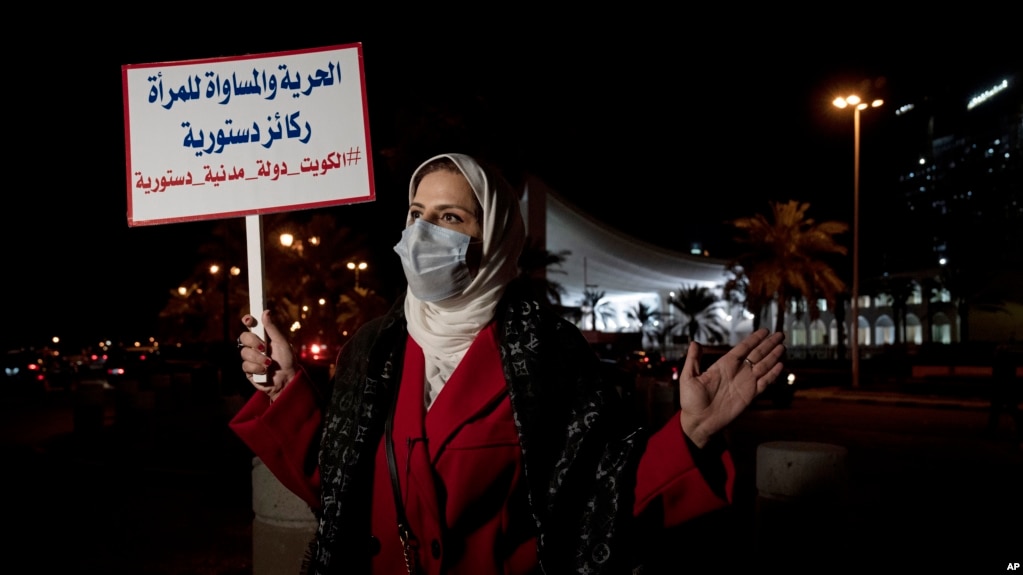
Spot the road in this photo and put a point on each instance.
(929, 488)
(169, 495)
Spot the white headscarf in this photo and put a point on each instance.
(445, 329)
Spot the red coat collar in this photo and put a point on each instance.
(475, 385)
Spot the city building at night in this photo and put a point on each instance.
(940, 252)
(958, 192)
(628, 271)
(940, 245)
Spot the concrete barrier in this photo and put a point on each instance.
(802, 512)
(282, 528)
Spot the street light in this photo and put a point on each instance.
(357, 268)
(232, 271)
(854, 325)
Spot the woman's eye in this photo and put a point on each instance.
(414, 215)
(452, 218)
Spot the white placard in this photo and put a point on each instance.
(230, 137)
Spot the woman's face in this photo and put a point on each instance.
(446, 199)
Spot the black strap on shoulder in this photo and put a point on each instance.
(409, 543)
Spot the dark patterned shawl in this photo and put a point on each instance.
(580, 450)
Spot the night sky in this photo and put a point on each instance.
(661, 128)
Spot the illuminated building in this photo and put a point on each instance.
(952, 216)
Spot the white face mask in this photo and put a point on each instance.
(434, 260)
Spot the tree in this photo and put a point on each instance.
(662, 331)
(356, 307)
(206, 305)
(787, 257)
(646, 315)
(535, 265)
(897, 290)
(307, 283)
(593, 303)
(698, 305)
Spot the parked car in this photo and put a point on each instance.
(23, 371)
(93, 362)
(135, 363)
(58, 371)
(642, 363)
(318, 358)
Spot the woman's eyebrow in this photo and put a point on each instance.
(444, 207)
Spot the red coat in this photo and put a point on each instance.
(460, 467)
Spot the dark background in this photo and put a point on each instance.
(662, 125)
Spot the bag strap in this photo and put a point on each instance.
(409, 543)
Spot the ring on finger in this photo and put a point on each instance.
(747, 361)
(240, 344)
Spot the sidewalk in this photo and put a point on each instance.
(888, 394)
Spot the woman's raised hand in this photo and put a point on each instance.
(273, 357)
(712, 399)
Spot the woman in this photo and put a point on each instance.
(475, 423)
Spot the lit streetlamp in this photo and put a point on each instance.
(357, 267)
(854, 324)
(232, 271)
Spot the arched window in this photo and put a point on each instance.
(864, 331)
(798, 333)
(818, 333)
(914, 330)
(941, 329)
(884, 330)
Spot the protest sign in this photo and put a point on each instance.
(257, 134)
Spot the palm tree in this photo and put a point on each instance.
(787, 258)
(897, 290)
(698, 305)
(662, 331)
(535, 265)
(646, 315)
(593, 301)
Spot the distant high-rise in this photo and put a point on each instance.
(959, 160)
(943, 260)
